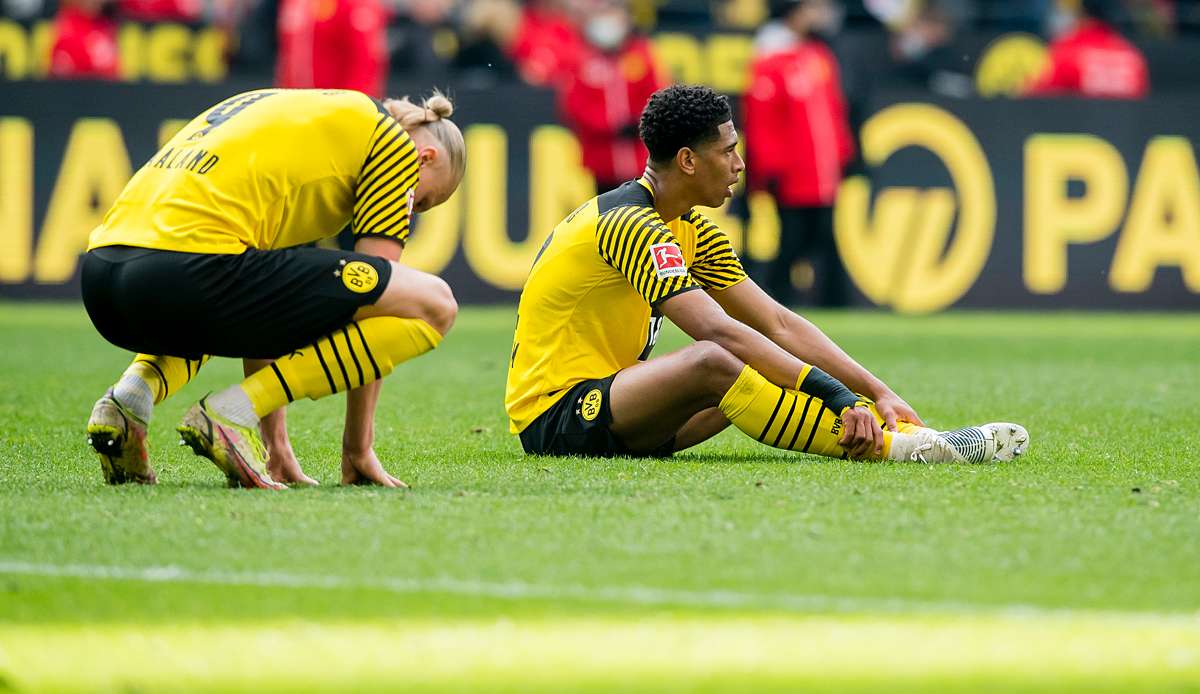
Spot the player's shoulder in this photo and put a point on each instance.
(628, 207)
(697, 219)
(704, 228)
(628, 194)
(346, 108)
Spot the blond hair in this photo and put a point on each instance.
(433, 114)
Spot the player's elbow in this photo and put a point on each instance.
(779, 323)
(721, 330)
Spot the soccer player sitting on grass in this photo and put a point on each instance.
(204, 254)
(580, 380)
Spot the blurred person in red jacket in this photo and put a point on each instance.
(85, 41)
(798, 142)
(162, 10)
(1092, 59)
(333, 44)
(605, 92)
(545, 46)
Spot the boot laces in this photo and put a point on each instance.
(919, 452)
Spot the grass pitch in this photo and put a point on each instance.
(730, 567)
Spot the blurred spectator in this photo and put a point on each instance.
(333, 44)
(891, 13)
(24, 10)
(413, 39)
(798, 142)
(545, 46)
(1092, 59)
(602, 96)
(252, 37)
(161, 10)
(538, 40)
(923, 50)
(1154, 17)
(85, 41)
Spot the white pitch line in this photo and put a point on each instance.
(631, 595)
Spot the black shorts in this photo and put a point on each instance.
(579, 424)
(256, 305)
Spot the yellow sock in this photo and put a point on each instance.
(353, 356)
(786, 419)
(164, 375)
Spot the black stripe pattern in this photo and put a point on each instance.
(283, 383)
(716, 265)
(634, 241)
(389, 175)
(794, 421)
(367, 350)
(162, 378)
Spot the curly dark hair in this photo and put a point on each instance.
(681, 116)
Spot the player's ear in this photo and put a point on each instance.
(686, 159)
(427, 155)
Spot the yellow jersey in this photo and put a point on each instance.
(270, 169)
(588, 308)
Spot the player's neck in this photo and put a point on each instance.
(671, 199)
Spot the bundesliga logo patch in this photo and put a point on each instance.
(668, 260)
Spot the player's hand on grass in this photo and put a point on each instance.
(893, 409)
(861, 435)
(284, 467)
(281, 460)
(363, 467)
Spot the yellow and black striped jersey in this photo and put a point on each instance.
(588, 308)
(270, 169)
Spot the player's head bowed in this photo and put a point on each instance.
(689, 129)
(441, 149)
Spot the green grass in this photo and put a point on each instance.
(732, 566)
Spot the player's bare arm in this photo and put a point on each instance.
(702, 318)
(676, 396)
(410, 294)
(416, 295)
(748, 303)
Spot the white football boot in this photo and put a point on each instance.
(997, 442)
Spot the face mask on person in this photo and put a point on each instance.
(606, 32)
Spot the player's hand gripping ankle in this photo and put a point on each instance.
(861, 435)
(893, 408)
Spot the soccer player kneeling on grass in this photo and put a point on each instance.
(580, 380)
(204, 254)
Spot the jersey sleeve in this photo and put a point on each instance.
(716, 266)
(635, 242)
(384, 190)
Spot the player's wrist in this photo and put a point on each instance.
(814, 381)
(877, 390)
(357, 446)
(858, 404)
